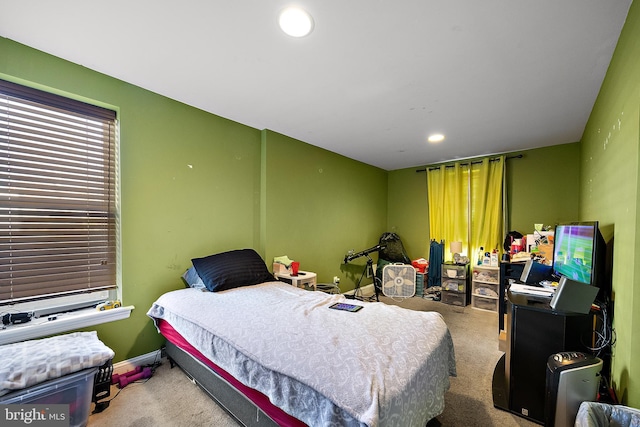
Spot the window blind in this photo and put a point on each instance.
(57, 195)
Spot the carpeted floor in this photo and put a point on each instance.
(170, 399)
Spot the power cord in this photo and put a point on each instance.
(605, 335)
(101, 406)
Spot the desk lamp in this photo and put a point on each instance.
(455, 248)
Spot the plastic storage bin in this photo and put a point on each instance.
(454, 271)
(484, 303)
(75, 390)
(454, 298)
(454, 285)
(486, 274)
(486, 289)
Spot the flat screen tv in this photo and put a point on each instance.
(579, 252)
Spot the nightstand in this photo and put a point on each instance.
(304, 279)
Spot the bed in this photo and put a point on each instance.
(274, 354)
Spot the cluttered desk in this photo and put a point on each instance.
(557, 305)
(535, 281)
(565, 295)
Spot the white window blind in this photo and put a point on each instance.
(57, 195)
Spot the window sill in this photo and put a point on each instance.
(64, 322)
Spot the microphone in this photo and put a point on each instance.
(351, 256)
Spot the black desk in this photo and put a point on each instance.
(508, 271)
(534, 332)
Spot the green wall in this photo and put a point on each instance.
(189, 187)
(409, 211)
(610, 186)
(543, 187)
(319, 205)
(193, 184)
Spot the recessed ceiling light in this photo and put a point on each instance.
(295, 22)
(436, 137)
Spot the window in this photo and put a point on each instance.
(57, 196)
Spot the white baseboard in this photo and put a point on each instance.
(366, 290)
(131, 364)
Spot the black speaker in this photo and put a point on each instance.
(534, 272)
(573, 296)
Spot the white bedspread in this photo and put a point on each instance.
(27, 363)
(383, 366)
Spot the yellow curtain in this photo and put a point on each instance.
(465, 205)
(448, 191)
(486, 205)
(435, 193)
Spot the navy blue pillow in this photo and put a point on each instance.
(228, 270)
(193, 280)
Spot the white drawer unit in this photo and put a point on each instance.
(485, 287)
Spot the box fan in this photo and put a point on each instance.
(399, 280)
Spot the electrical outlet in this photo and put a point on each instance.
(336, 280)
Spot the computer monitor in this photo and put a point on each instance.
(578, 252)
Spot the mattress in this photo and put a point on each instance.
(258, 399)
(27, 363)
(381, 366)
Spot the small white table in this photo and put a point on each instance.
(304, 279)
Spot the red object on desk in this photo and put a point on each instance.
(295, 266)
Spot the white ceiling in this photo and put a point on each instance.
(373, 79)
